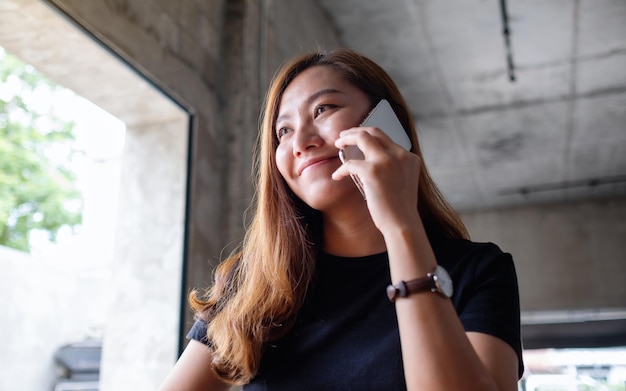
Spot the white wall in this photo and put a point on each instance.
(45, 303)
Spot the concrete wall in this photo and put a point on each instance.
(141, 288)
(568, 256)
(140, 334)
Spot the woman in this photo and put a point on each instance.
(303, 305)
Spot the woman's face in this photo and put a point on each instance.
(316, 106)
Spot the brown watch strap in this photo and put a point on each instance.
(406, 288)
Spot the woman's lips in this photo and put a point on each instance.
(314, 162)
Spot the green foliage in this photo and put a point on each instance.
(37, 187)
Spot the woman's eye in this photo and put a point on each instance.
(322, 108)
(281, 132)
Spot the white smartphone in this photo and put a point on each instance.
(383, 117)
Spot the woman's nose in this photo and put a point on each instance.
(306, 137)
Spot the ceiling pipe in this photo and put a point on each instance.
(506, 31)
(591, 183)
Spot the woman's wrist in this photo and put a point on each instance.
(410, 253)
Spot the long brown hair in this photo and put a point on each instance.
(259, 290)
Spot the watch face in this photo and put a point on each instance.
(443, 281)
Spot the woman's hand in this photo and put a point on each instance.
(389, 175)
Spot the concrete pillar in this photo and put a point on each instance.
(141, 330)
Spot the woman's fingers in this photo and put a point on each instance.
(388, 174)
(364, 139)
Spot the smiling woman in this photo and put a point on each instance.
(310, 119)
(304, 304)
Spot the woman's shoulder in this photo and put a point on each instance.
(454, 253)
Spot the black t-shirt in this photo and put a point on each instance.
(346, 335)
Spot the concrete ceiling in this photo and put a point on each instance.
(557, 133)
(34, 32)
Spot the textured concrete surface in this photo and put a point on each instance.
(568, 256)
(142, 289)
(489, 141)
(140, 333)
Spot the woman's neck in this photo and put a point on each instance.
(351, 234)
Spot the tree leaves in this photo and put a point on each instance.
(36, 190)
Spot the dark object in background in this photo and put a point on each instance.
(79, 366)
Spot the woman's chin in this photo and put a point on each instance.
(328, 196)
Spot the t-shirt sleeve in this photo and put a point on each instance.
(488, 300)
(198, 332)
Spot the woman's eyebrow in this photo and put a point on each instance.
(311, 99)
(319, 93)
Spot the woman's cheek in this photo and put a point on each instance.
(282, 159)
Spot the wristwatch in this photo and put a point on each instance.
(437, 281)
